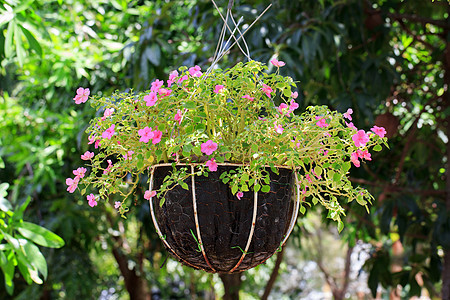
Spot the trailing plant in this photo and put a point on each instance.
(223, 116)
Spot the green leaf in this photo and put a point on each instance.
(32, 41)
(377, 148)
(187, 148)
(40, 235)
(36, 258)
(140, 163)
(9, 39)
(7, 266)
(200, 127)
(197, 151)
(22, 6)
(265, 188)
(190, 105)
(257, 187)
(29, 272)
(184, 185)
(346, 166)
(318, 170)
(302, 210)
(245, 177)
(234, 189)
(254, 147)
(18, 215)
(20, 50)
(337, 177)
(361, 201)
(4, 203)
(340, 225)
(189, 129)
(315, 200)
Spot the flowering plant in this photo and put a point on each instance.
(224, 116)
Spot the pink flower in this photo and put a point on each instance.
(172, 76)
(324, 152)
(156, 85)
(151, 99)
(117, 204)
(108, 168)
(354, 159)
(128, 155)
(348, 114)
(239, 195)
(212, 165)
(87, 155)
(277, 63)
(82, 95)
(97, 144)
(322, 123)
(164, 92)
(278, 128)
(293, 105)
(108, 133)
(248, 97)
(350, 125)
(308, 178)
(208, 147)
(108, 112)
(156, 137)
(266, 89)
(146, 134)
(218, 88)
(304, 190)
(195, 71)
(91, 199)
(364, 154)
(180, 80)
(294, 95)
(360, 138)
(283, 109)
(380, 131)
(80, 172)
(178, 116)
(149, 194)
(72, 184)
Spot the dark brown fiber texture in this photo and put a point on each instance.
(225, 221)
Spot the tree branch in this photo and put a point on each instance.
(418, 19)
(273, 275)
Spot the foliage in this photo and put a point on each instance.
(223, 117)
(18, 243)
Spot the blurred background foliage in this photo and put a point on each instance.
(387, 59)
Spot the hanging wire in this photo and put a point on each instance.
(222, 48)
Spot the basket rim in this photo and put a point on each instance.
(219, 164)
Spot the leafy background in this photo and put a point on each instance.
(388, 60)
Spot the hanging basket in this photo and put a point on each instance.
(209, 228)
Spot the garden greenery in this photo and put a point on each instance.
(223, 116)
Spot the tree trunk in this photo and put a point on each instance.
(232, 285)
(136, 286)
(446, 99)
(274, 275)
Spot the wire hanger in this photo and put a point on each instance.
(222, 47)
